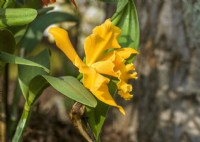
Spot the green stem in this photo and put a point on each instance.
(14, 110)
(22, 124)
(115, 20)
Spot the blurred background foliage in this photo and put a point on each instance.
(166, 103)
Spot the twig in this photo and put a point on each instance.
(85, 120)
(77, 117)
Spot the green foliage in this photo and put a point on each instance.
(7, 3)
(27, 73)
(9, 58)
(67, 85)
(36, 4)
(23, 27)
(7, 41)
(36, 28)
(72, 88)
(98, 114)
(16, 16)
(7, 44)
(126, 19)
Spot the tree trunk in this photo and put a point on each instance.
(166, 107)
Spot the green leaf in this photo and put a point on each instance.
(28, 69)
(72, 88)
(7, 3)
(16, 16)
(44, 10)
(96, 116)
(32, 87)
(127, 20)
(7, 41)
(9, 58)
(67, 85)
(7, 44)
(121, 5)
(36, 4)
(27, 73)
(36, 87)
(19, 33)
(37, 27)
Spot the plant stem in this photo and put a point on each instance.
(4, 104)
(5, 92)
(22, 123)
(2, 118)
(76, 115)
(14, 110)
(15, 104)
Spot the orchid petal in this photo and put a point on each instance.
(104, 37)
(124, 72)
(105, 67)
(125, 95)
(97, 84)
(99, 63)
(125, 53)
(64, 44)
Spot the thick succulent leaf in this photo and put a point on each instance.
(16, 16)
(127, 20)
(37, 27)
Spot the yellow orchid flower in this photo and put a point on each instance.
(99, 63)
